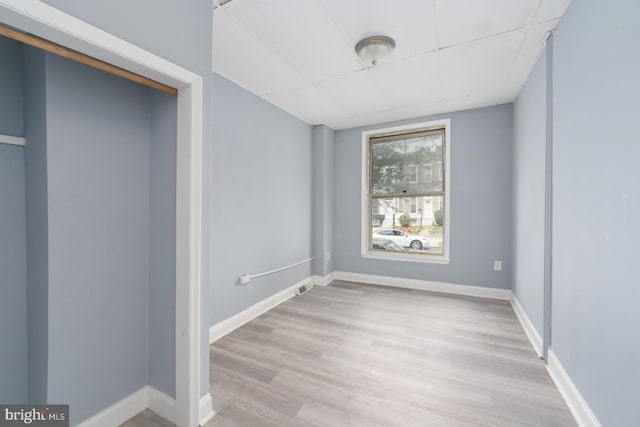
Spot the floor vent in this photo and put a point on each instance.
(302, 289)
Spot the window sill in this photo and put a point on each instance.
(426, 259)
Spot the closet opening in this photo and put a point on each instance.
(94, 202)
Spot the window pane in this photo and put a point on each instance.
(428, 173)
(377, 212)
(387, 172)
(422, 223)
(413, 174)
(407, 165)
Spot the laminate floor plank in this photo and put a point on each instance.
(369, 355)
(147, 418)
(351, 354)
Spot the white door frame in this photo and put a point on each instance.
(44, 21)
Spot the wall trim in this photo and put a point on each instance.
(527, 325)
(120, 411)
(229, 324)
(425, 285)
(161, 403)
(206, 409)
(51, 24)
(130, 406)
(579, 408)
(323, 280)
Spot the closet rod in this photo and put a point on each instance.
(83, 59)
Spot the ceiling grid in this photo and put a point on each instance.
(450, 55)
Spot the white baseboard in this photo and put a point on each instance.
(206, 409)
(147, 397)
(323, 280)
(120, 411)
(136, 402)
(527, 325)
(425, 285)
(228, 325)
(573, 398)
(579, 408)
(161, 404)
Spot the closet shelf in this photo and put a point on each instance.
(12, 140)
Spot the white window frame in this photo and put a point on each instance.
(365, 215)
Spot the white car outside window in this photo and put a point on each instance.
(413, 241)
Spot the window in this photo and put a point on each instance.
(428, 173)
(398, 165)
(413, 174)
(375, 207)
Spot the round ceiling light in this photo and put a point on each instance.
(374, 48)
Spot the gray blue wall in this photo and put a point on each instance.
(13, 276)
(262, 199)
(99, 193)
(13, 279)
(323, 185)
(597, 205)
(181, 32)
(481, 202)
(37, 213)
(529, 142)
(162, 247)
(100, 211)
(11, 106)
(98, 180)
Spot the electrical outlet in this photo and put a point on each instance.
(244, 279)
(497, 265)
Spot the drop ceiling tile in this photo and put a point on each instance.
(354, 92)
(308, 104)
(411, 23)
(239, 8)
(379, 117)
(299, 54)
(551, 9)
(427, 109)
(534, 42)
(478, 101)
(303, 34)
(460, 21)
(480, 67)
(416, 80)
(237, 54)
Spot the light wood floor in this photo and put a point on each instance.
(359, 355)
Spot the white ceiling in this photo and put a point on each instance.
(450, 54)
